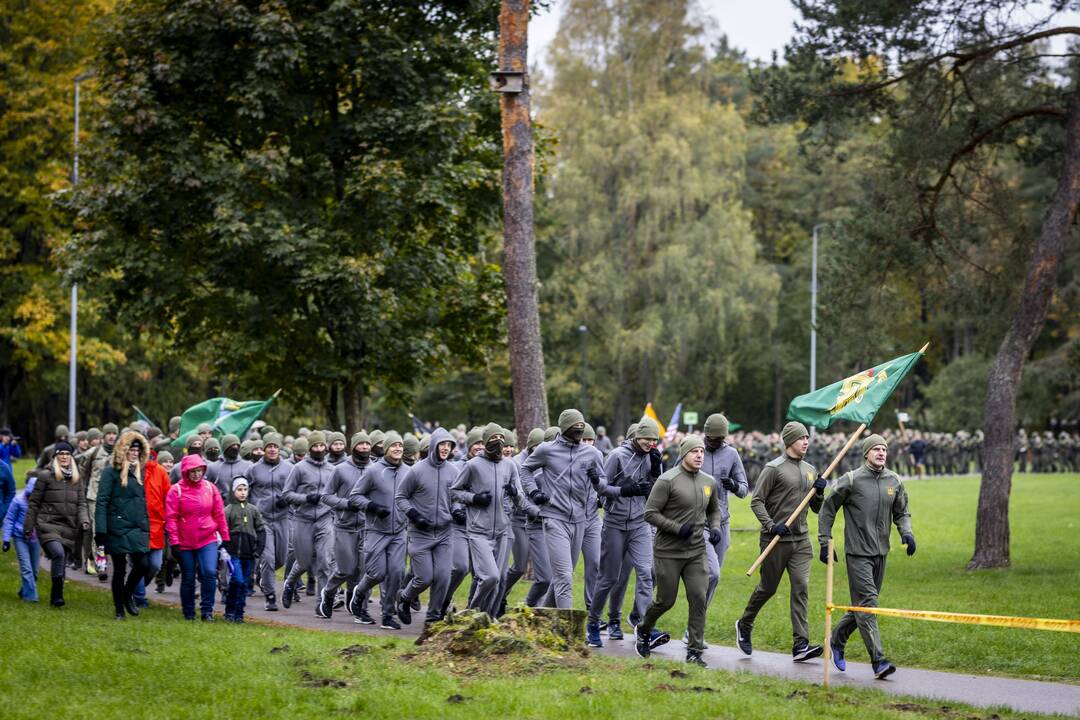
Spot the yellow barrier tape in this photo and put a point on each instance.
(968, 619)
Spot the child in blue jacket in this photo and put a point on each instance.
(26, 549)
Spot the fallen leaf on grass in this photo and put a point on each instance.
(678, 674)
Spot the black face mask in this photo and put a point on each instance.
(377, 451)
(361, 458)
(410, 461)
(493, 448)
(713, 443)
(197, 450)
(213, 455)
(317, 455)
(232, 453)
(337, 455)
(574, 434)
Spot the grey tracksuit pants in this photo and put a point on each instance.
(624, 546)
(519, 550)
(348, 559)
(590, 551)
(866, 574)
(273, 557)
(714, 557)
(431, 562)
(384, 563)
(459, 546)
(564, 540)
(489, 559)
(313, 545)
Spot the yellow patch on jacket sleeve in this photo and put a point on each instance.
(707, 490)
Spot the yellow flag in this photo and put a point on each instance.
(649, 412)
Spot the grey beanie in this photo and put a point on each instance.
(568, 418)
(164, 456)
(792, 432)
(716, 425)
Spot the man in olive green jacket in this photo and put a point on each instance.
(781, 486)
(682, 504)
(873, 499)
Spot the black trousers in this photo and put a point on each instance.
(123, 587)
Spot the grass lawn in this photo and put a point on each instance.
(79, 663)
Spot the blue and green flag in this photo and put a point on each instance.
(857, 398)
(225, 416)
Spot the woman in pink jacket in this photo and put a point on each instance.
(195, 524)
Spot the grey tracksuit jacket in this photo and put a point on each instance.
(336, 494)
(625, 467)
(425, 487)
(724, 462)
(483, 475)
(266, 483)
(308, 476)
(558, 468)
(380, 485)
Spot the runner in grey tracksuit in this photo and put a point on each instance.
(459, 537)
(424, 497)
(230, 466)
(529, 544)
(631, 470)
(724, 464)
(571, 477)
(349, 522)
(384, 544)
(481, 487)
(266, 481)
(312, 524)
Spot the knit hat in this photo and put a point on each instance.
(164, 456)
(303, 432)
(210, 444)
(647, 429)
(81, 435)
(392, 437)
(511, 439)
(62, 446)
(93, 434)
(631, 432)
(589, 433)
(267, 429)
(425, 443)
(334, 437)
(174, 424)
(412, 445)
(300, 446)
(872, 442)
(568, 418)
(109, 428)
(238, 481)
(245, 449)
(689, 443)
(357, 438)
(228, 441)
(273, 439)
(192, 439)
(491, 430)
(315, 437)
(257, 444)
(536, 436)
(716, 425)
(792, 432)
(61, 432)
(550, 433)
(204, 427)
(475, 435)
(376, 437)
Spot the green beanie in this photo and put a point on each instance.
(335, 436)
(93, 434)
(475, 435)
(174, 424)
(192, 439)
(81, 435)
(245, 449)
(376, 437)
(357, 438)
(511, 439)
(204, 427)
(425, 442)
(315, 437)
(300, 446)
(792, 432)
(109, 428)
(491, 430)
(631, 432)
(273, 439)
(211, 443)
(716, 425)
(568, 418)
(390, 438)
(872, 442)
(550, 433)
(536, 436)
(61, 432)
(228, 441)
(164, 456)
(412, 445)
(257, 444)
(589, 433)
(267, 429)
(647, 429)
(689, 443)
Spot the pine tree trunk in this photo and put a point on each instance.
(999, 413)
(352, 408)
(519, 248)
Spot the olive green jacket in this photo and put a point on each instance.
(678, 497)
(872, 500)
(781, 486)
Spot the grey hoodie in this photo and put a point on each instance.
(724, 462)
(337, 490)
(266, 483)
(483, 475)
(558, 468)
(222, 473)
(425, 487)
(625, 466)
(308, 476)
(379, 484)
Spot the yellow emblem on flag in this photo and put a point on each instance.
(855, 387)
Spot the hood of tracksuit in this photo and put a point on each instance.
(438, 435)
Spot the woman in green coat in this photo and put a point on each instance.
(121, 522)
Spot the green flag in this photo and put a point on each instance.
(857, 398)
(227, 417)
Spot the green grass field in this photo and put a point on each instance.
(1043, 582)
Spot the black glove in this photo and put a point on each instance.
(281, 502)
(380, 511)
(481, 499)
(729, 484)
(7, 546)
(99, 538)
(313, 498)
(354, 504)
(819, 485)
(780, 529)
(629, 490)
(823, 554)
(538, 497)
(655, 466)
(459, 515)
(714, 536)
(686, 530)
(593, 475)
(909, 540)
(510, 489)
(421, 522)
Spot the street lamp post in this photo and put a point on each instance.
(584, 332)
(813, 310)
(74, 351)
